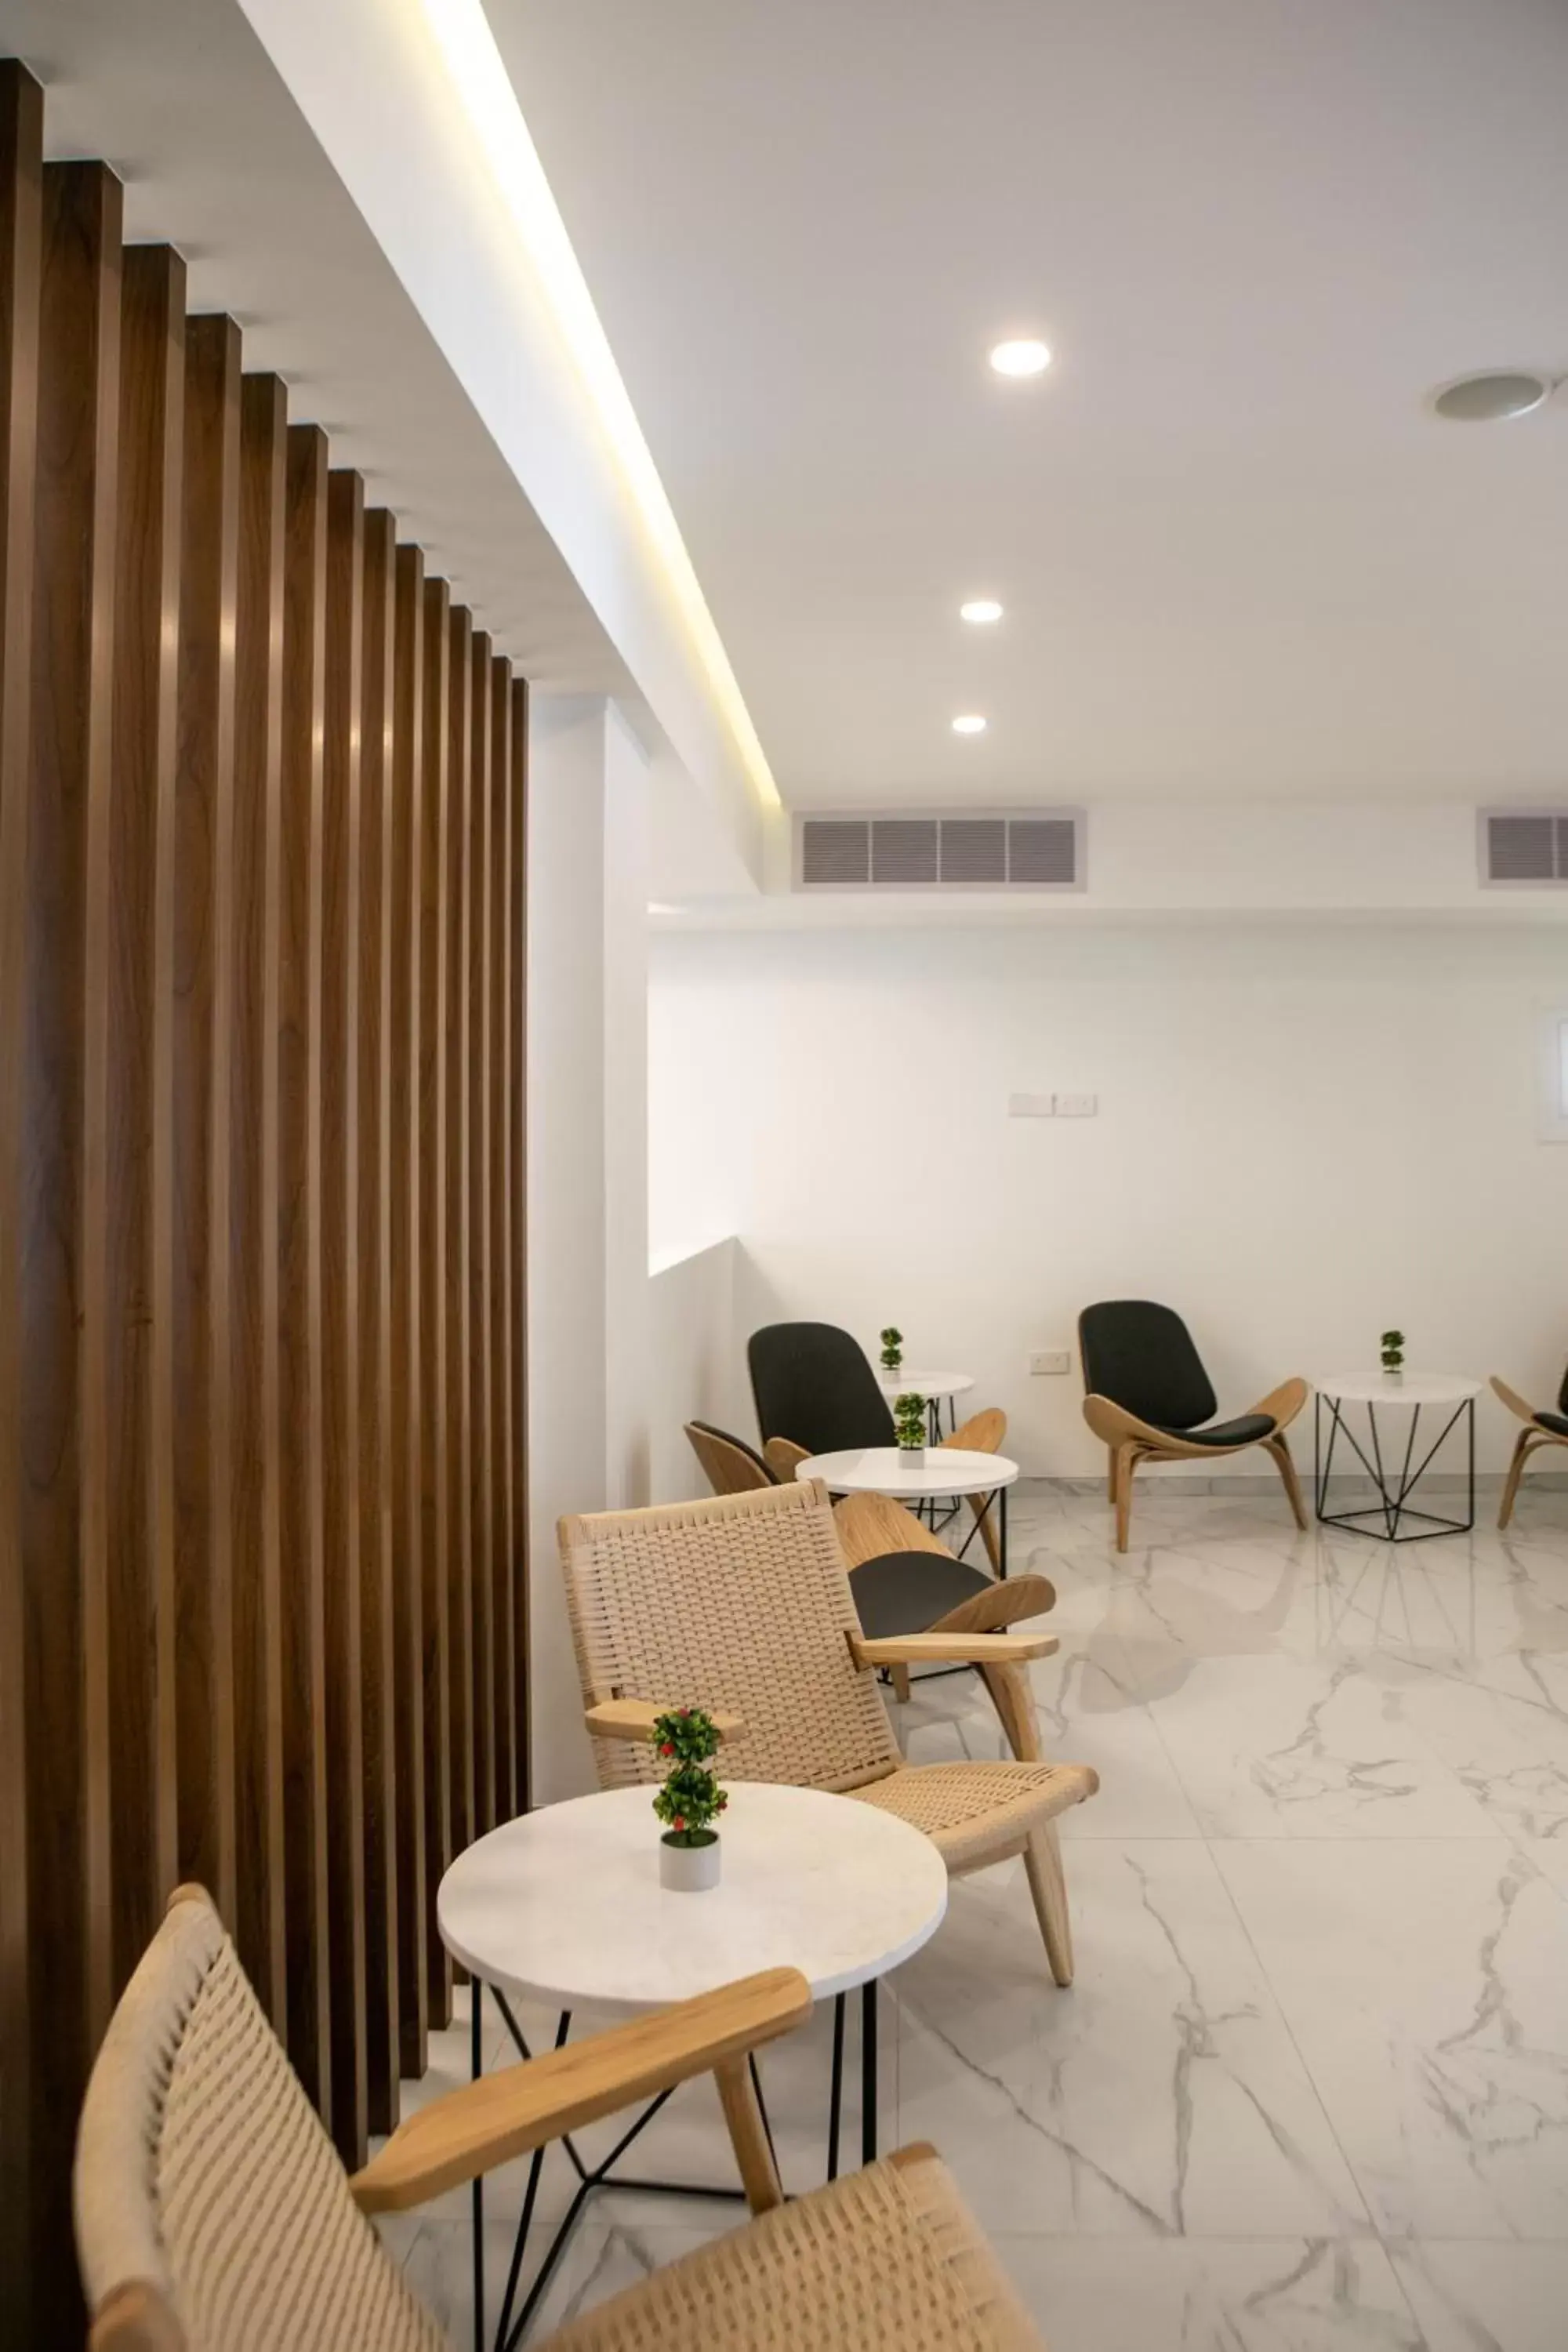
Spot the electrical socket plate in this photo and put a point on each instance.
(1075, 1105)
(1050, 1359)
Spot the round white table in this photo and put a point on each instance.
(938, 1471)
(1450, 1393)
(937, 1388)
(564, 1906)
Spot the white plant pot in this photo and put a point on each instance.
(1394, 1380)
(689, 1869)
(912, 1457)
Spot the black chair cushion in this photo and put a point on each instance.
(1244, 1430)
(814, 1385)
(907, 1592)
(1555, 1421)
(1141, 1357)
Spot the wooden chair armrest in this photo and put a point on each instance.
(523, 2107)
(1511, 1398)
(999, 1606)
(982, 1433)
(958, 1649)
(1114, 1425)
(634, 1718)
(783, 1457)
(1283, 1403)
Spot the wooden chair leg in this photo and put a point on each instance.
(1515, 1472)
(1009, 1689)
(983, 1507)
(1112, 1458)
(901, 1675)
(1043, 1864)
(1278, 1447)
(1124, 1462)
(747, 2135)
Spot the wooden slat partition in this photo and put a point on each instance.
(261, 1209)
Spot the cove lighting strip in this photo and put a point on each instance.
(479, 73)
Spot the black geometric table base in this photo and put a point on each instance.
(1384, 1519)
(513, 2324)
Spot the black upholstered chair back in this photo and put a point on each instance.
(1141, 1357)
(1562, 1394)
(812, 1384)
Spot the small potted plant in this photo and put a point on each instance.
(691, 1800)
(892, 1349)
(1391, 1348)
(909, 1428)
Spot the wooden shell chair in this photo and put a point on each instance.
(1539, 1429)
(742, 1605)
(1147, 1395)
(815, 1393)
(213, 2212)
(903, 1578)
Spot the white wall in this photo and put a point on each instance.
(587, 1172)
(698, 1371)
(1306, 1132)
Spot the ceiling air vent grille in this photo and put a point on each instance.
(1524, 846)
(1037, 849)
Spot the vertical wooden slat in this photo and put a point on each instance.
(24, 1991)
(372, 1046)
(421, 1744)
(338, 1227)
(299, 1260)
(517, 1204)
(202, 881)
(478, 994)
(438, 1533)
(63, 1234)
(141, 1541)
(460, 1517)
(498, 865)
(252, 1112)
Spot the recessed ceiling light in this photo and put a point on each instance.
(1490, 399)
(971, 723)
(981, 611)
(1023, 358)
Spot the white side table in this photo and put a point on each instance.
(939, 1471)
(937, 1388)
(564, 1906)
(1452, 1393)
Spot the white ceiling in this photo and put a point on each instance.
(182, 98)
(1238, 555)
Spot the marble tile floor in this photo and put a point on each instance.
(1310, 2089)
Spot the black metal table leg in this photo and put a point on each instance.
(1393, 1507)
(836, 2094)
(868, 2073)
(475, 2068)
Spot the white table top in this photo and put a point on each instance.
(926, 1384)
(565, 1905)
(1415, 1388)
(888, 1470)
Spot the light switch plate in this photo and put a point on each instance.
(1050, 1359)
(1075, 1105)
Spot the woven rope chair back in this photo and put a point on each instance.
(740, 1602)
(203, 2174)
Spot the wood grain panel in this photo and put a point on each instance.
(498, 865)
(301, 1567)
(63, 1234)
(460, 1507)
(22, 1970)
(139, 1128)
(258, 1920)
(480, 1433)
(201, 1014)
(338, 1227)
(421, 1750)
(430, 1142)
(371, 850)
(517, 1198)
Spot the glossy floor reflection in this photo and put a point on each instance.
(1310, 2089)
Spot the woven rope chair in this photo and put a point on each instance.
(742, 1605)
(213, 2214)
